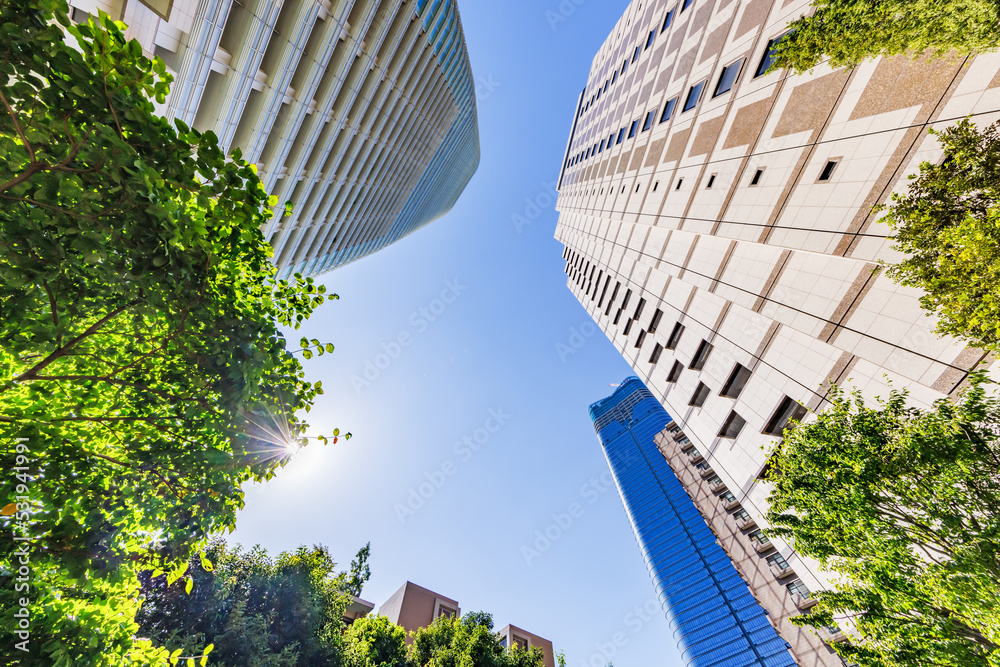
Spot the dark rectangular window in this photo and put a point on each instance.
(787, 411)
(711, 181)
(628, 295)
(628, 326)
(668, 110)
(638, 309)
(737, 380)
(598, 94)
(624, 67)
(621, 135)
(768, 59)
(639, 339)
(614, 77)
(649, 40)
(693, 96)
(605, 89)
(657, 316)
(675, 336)
(699, 396)
(687, 3)
(668, 20)
(650, 119)
(655, 356)
(635, 56)
(618, 316)
(828, 170)
(733, 425)
(614, 295)
(635, 126)
(756, 177)
(675, 372)
(600, 274)
(610, 140)
(728, 78)
(701, 356)
(600, 149)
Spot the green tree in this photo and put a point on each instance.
(849, 31)
(143, 377)
(467, 642)
(253, 609)
(948, 224)
(904, 505)
(375, 641)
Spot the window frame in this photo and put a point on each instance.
(688, 103)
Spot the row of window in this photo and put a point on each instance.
(635, 56)
(727, 79)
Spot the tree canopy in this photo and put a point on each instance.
(904, 505)
(849, 31)
(143, 375)
(948, 224)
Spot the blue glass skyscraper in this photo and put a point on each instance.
(716, 621)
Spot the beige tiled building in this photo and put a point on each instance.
(718, 226)
(362, 113)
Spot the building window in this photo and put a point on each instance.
(687, 3)
(635, 126)
(680, 182)
(777, 560)
(728, 78)
(716, 483)
(600, 148)
(655, 356)
(655, 322)
(649, 40)
(737, 380)
(614, 295)
(650, 119)
(675, 336)
(733, 425)
(693, 96)
(668, 110)
(701, 356)
(711, 182)
(624, 67)
(788, 411)
(640, 339)
(621, 136)
(668, 20)
(675, 372)
(635, 56)
(798, 588)
(828, 170)
(768, 59)
(656, 185)
(638, 309)
(77, 15)
(605, 89)
(699, 396)
(756, 177)
(614, 77)
(628, 326)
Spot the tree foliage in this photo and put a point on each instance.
(948, 224)
(143, 377)
(254, 610)
(468, 641)
(904, 505)
(849, 31)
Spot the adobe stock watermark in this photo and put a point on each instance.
(563, 522)
(562, 12)
(533, 206)
(20, 512)
(464, 449)
(635, 621)
(485, 87)
(420, 320)
(578, 337)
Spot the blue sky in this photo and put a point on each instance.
(475, 470)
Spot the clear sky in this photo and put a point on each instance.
(483, 408)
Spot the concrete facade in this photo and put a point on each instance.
(718, 227)
(362, 113)
(511, 635)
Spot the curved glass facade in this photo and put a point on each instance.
(716, 621)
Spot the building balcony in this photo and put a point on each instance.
(695, 456)
(761, 546)
(832, 634)
(717, 486)
(707, 472)
(781, 571)
(746, 524)
(804, 603)
(684, 443)
(730, 504)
